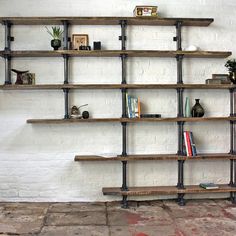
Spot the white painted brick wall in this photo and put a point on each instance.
(36, 161)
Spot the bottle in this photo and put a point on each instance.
(197, 109)
(187, 111)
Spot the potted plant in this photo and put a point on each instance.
(56, 34)
(231, 65)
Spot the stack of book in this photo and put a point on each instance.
(133, 106)
(219, 79)
(189, 144)
(209, 185)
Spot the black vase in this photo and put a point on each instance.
(56, 43)
(197, 109)
(232, 77)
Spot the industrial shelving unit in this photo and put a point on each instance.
(180, 189)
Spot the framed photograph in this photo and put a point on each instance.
(79, 40)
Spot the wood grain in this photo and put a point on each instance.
(106, 21)
(116, 86)
(117, 53)
(148, 157)
(138, 191)
(127, 120)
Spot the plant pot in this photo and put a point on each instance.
(197, 110)
(232, 77)
(56, 43)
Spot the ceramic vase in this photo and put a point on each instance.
(56, 43)
(197, 109)
(187, 110)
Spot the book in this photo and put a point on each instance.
(209, 185)
(133, 106)
(187, 143)
(193, 146)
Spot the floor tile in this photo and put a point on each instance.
(75, 230)
(206, 227)
(77, 206)
(77, 218)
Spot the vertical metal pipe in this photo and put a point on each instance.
(7, 50)
(124, 141)
(65, 35)
(179, 59)
(124, 202)
(178, 35)
(124, 176)
(7, 35)
(123, 24)
(7, 69)
(124, 113)
(66, 69)
(234, 173)
(66, 98)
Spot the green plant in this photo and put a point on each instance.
(231, 65)
(56, 32)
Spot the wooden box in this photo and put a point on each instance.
(145, 11)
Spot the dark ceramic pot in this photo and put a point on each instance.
(232, 77)
(56, 43)
(197, 109)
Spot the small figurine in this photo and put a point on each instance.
(19, 74)
(75, 113)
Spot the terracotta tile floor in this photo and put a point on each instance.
(152, 218)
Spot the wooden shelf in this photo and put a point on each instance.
(116, 86)
(138, 191)
(146, 157)
(117, 53)
(133, 120)
(106, 21)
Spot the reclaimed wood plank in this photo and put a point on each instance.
(148, 157)
(152, 21)
(155, 190)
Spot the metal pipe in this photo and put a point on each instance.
(65, 35)
(66, 69)
(124, 102)
(7, 50)
(123, 37)
(7, 35)
(234, 173)
(66, 98)
(124, 202)
(123, 68)
(178, 35)
(124, 140)
(124, 176)
(231, 173)
(179, 59)
(180, 138)
(7, 69)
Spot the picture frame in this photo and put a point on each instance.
(79, 40)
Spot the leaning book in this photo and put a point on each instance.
(209, 185)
